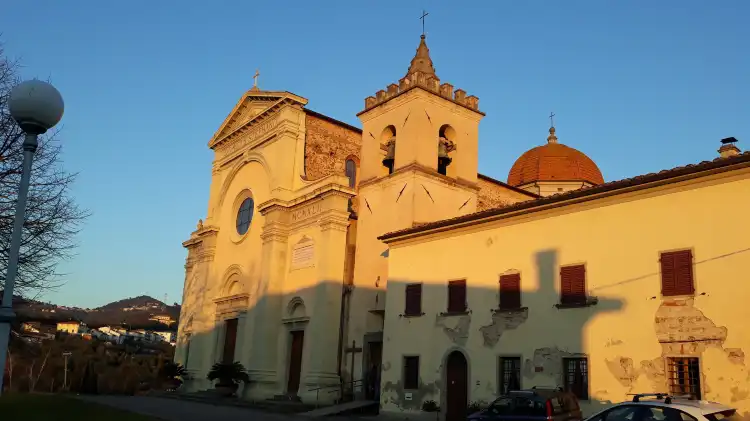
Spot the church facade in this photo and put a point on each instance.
(329, 250)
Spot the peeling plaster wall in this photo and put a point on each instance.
(627, 336)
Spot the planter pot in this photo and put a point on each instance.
(226, 390)
(172, 384)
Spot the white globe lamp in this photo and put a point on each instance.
(36, 106)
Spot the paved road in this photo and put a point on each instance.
(177, 410)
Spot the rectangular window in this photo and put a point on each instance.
(411, 373)
(457, 296)
(576, 376)
(684, 377)
(677, 273)
(510, 292)
(413, 300)
(509, 374)
(573, 284)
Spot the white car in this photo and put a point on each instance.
(663, 407)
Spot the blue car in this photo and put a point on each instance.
(532, 405)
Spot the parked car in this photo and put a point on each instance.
(663, 407)
(533, 404)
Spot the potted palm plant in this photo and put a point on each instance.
(173, 373)
(228, 376)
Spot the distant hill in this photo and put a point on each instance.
(132, 312)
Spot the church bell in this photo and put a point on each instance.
(443, 158)
(390, 154)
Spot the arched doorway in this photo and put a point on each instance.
(457, 385)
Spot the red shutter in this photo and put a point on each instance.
(457, 296)
(667, 274)
(413, 300)
(510, 291)
(573, 284)
(677, 273)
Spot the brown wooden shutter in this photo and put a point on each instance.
(413, 300)
(457, 296)
(510, 291)
(573, 284)
(677, 273)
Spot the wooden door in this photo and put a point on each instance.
(295, 361)
(230, 341)
(457, 394)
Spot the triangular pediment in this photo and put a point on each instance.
(253, 105)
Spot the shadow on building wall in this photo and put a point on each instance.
(548, 340)
(540, 344)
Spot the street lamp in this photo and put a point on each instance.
(36, 106)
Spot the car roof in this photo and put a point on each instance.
(542, 393)
(692, 407)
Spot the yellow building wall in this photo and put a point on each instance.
(68, 327)
(619, 239)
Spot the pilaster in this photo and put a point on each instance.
(324, 324)
(264, 350)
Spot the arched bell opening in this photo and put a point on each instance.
(446, 137)
(388, 139)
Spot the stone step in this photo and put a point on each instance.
(212, 398)
(359, 406)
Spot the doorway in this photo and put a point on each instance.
(374, 360)
(295, 361)
(230, 341)
(457, 382)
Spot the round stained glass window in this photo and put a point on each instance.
(245, 216)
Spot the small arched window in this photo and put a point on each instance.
(245, 215)
(351, 172)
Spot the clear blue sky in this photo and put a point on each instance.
(639, 86)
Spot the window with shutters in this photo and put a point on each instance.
(576, 376)
(573, 285)
(411, 373)
(457, 296)
(677, 273)
(413, 305)
(510, 291)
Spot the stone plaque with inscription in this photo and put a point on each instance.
(303, 254)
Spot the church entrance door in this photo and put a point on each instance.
(295, 361)
(457, 393)
(230, 341)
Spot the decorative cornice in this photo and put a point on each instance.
(424, 170)
(275, 232)
(331, 188)
(200, 235)
(283, 98)
(334, 220)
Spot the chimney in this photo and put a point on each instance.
(728, 148)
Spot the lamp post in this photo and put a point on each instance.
(36, 106)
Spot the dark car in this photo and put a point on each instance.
(532, 405)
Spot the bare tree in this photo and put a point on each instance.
(34, 380)
(52, 217)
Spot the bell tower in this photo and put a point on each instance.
(418, 164)
(425, 128)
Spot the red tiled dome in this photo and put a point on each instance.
(554, 162)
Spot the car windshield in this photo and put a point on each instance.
(501, 406)
(730, 415)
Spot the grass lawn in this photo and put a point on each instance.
(60, 408)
